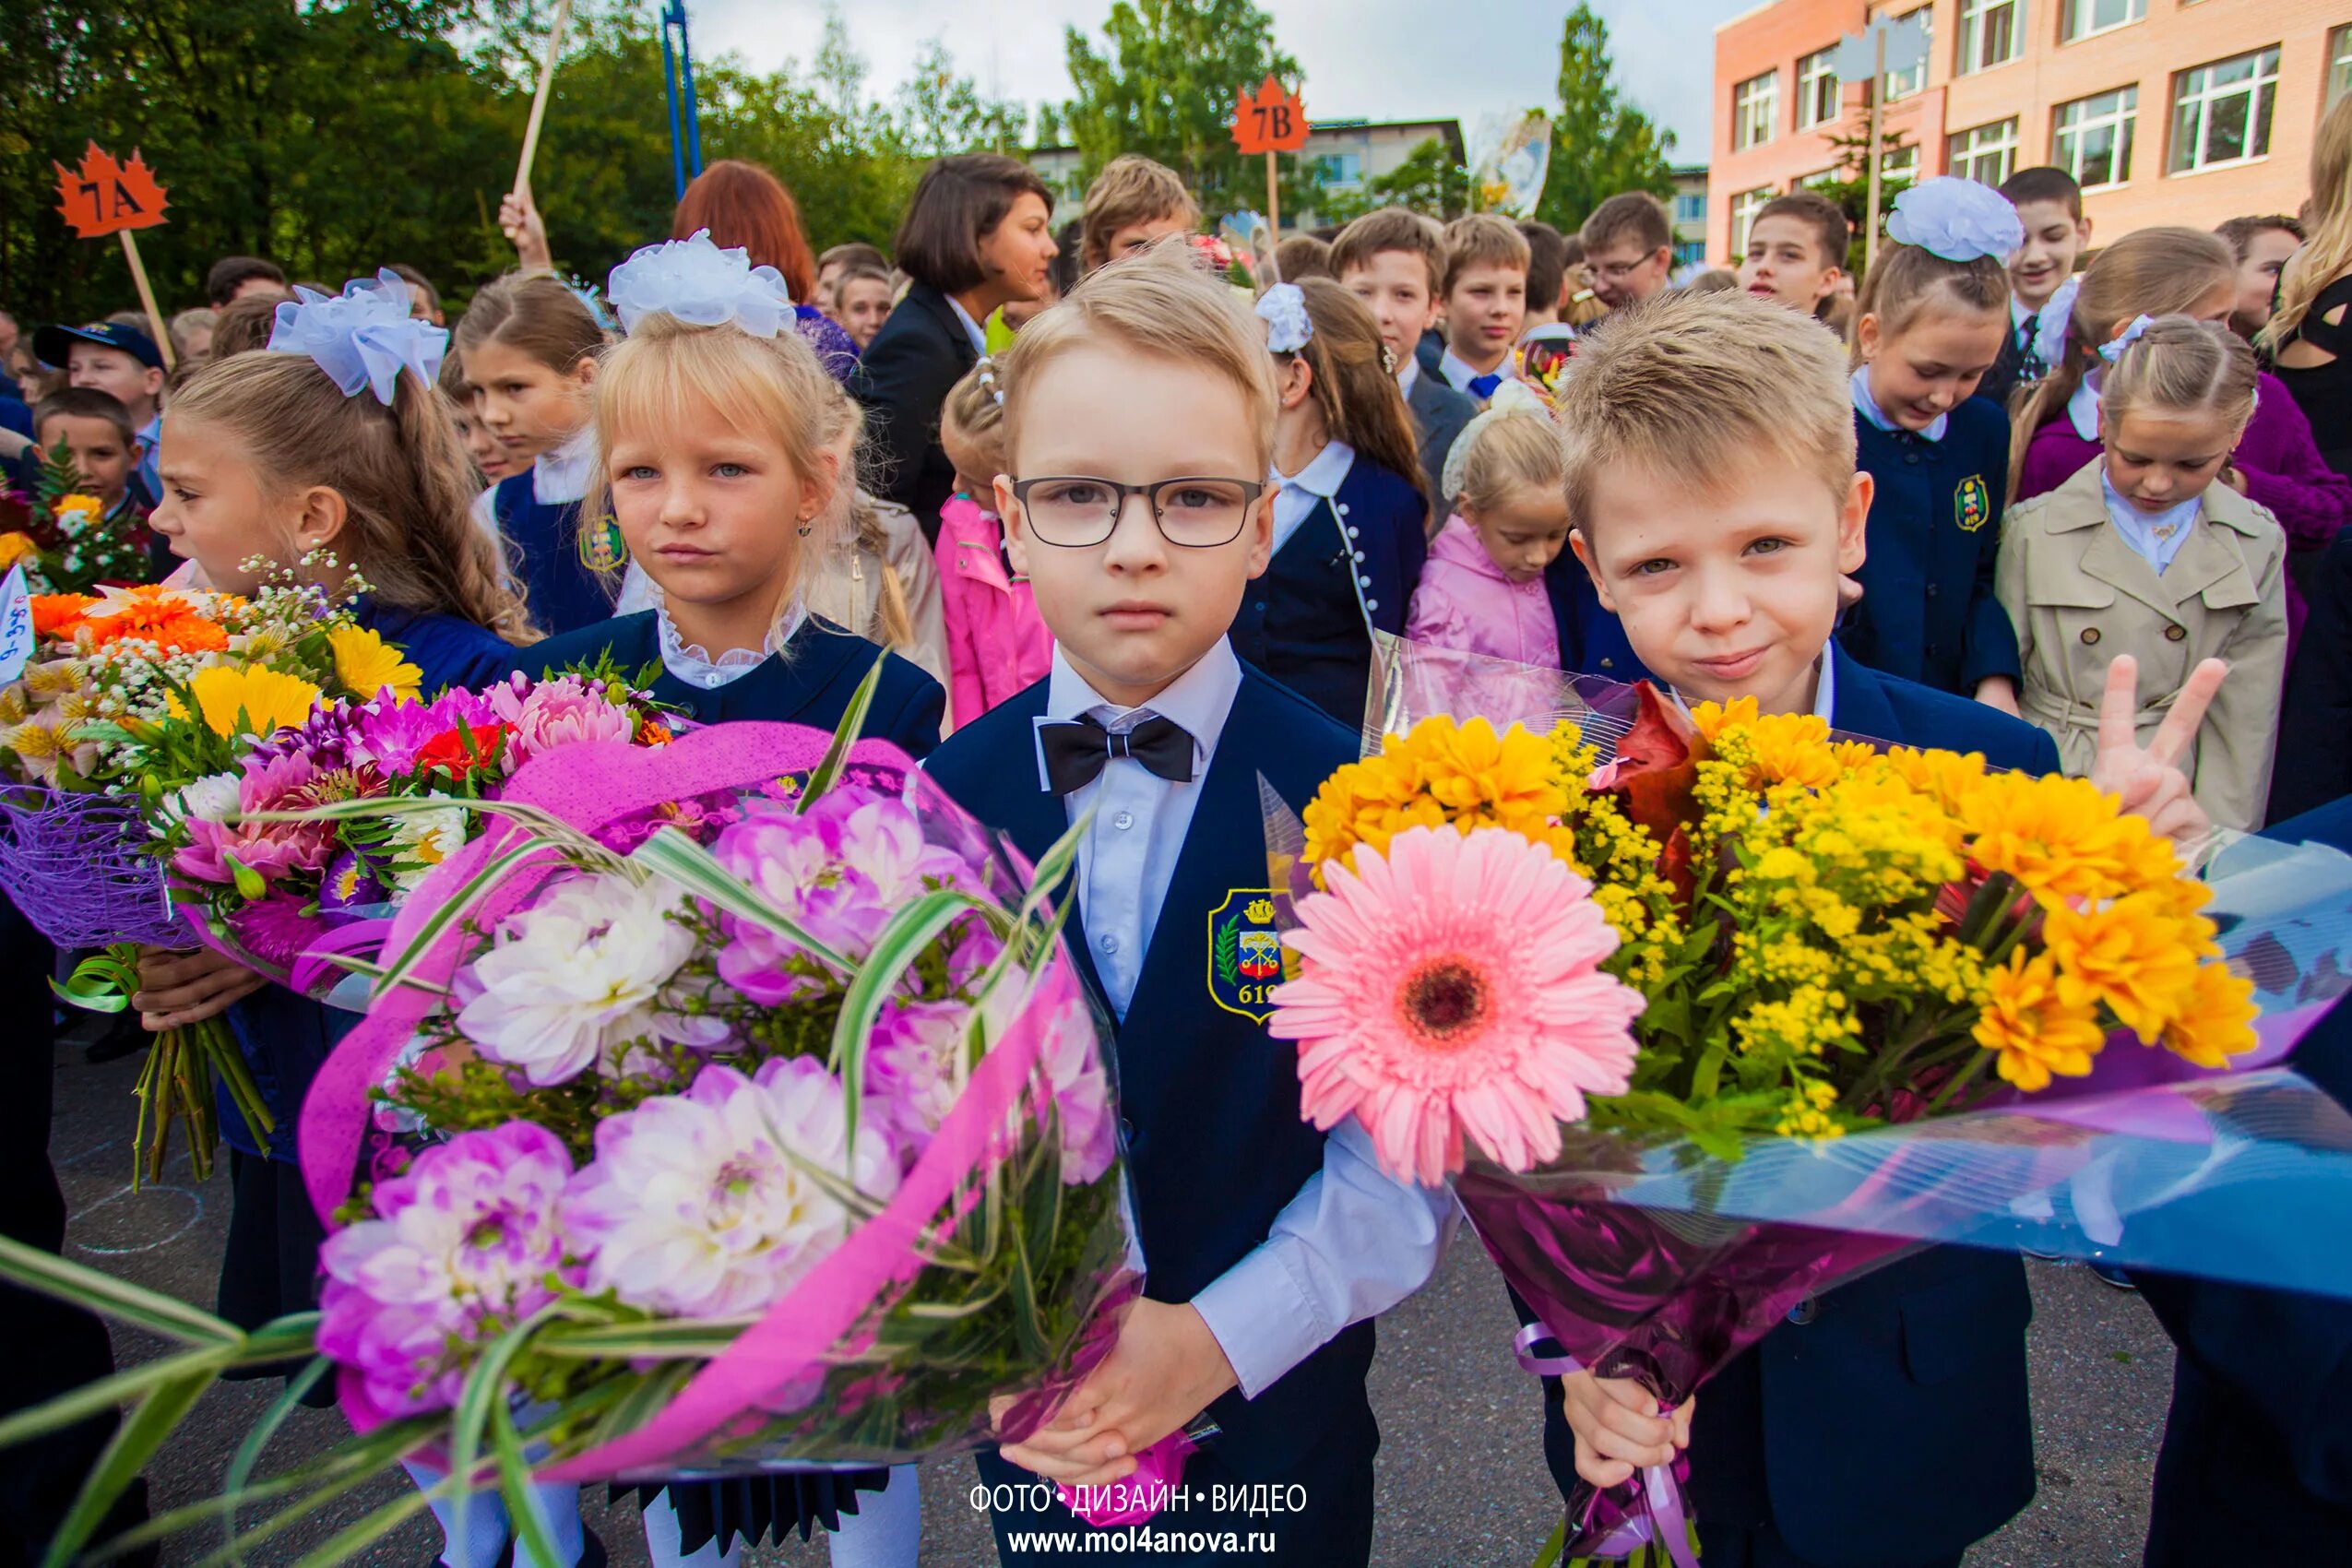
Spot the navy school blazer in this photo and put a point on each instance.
(1887, 1422)
(1439, 413)
(1592, 641)
(1927, 612)
(2256, 1465)
(903, 379)
(1301, 621)
(543, 538)
(811, 683)
(1209, 1101)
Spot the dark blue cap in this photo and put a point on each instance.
(56, 344)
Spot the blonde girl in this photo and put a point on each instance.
(527, 348)
(2166, 272)
(2142, 551)
(1482, 590)
(2306, 338)
(1351, 522)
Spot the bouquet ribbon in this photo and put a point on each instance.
(1664, 1522)
(591, 785)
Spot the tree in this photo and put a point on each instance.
(1167, 87)
(1851, 190)
(1600, 144)
(1429, 180)
(941, 111)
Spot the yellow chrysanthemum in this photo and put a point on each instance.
(235, 699)
(16, 548)
(2031, 1034)
(1793, 748)
(2062, 838)
(1714, 718)
(2128, 955)
(366, 664)
(2217, 1021)
(1946, 776)
(82, 509)
(1441, 772)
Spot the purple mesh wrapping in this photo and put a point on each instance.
(836, 350)
(74, 864)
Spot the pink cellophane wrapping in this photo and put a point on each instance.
(599, 785)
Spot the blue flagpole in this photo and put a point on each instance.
(678, 82)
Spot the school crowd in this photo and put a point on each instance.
(1127, 529)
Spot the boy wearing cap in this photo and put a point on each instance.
(120, 361)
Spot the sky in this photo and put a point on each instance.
(1364, 59)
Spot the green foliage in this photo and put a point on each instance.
(339, 135)
(1429, 180)
(1166, 85)
(1600, 144)
(1852, 189)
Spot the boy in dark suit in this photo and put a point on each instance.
(1138, 419)
(2050, 204)
(1395, 262)
(1886, 1423)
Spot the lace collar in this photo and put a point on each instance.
(693, 663)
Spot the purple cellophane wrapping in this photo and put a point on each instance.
(75, 865)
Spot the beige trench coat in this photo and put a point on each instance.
(2079, 595)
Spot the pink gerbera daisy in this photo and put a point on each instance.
(1455, 987)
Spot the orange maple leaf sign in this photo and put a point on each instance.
(104, 198)
(1270, 120)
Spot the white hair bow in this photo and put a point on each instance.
(1289, 329)
(2056, 320)
(2113, 351)
(363, 336)
(695, 281)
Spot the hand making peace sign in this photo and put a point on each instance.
(2150, 779)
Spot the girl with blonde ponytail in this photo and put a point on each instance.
(2309, 336)
(2176, 272)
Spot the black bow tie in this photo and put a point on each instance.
(1076, 754)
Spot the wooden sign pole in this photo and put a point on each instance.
(146, 297)
(1877, 90)
(1273, 193)
(538, 98)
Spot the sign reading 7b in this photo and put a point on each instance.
(1270, 120)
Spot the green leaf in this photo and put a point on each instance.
(136, 1441)
(249, 1451)
(107, 1393)
(676, 856)
(908, 934)
(109, 1297)
(845, 735)
(523, 1507)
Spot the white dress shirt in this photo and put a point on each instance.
(971, 329)
(1354, 1241)
(1297, 496)
(1460, 372)
(1867, 405)
(1407, 373)
(2083, 410)
(698, 667)
(2154, 537)
(558, 477)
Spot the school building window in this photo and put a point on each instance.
(2085, 18)
(1690, 206)
(1817, 90)
(1744, 207)
(1992, 32)
(1690, 252)
(2339, 65)
(2094, 137)
(1904, 83)
(1985, 153)
(1902, 163)
(2221, 112)
(1341, 171)
(1755, 105)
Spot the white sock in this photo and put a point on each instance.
(484, 1542)
(664, 1531)
(559, 1515)
(888, 1529)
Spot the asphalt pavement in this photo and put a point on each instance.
(1462, 1478)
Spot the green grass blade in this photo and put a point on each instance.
(106, 1393)
(845, 735)
(109, 1296)
(531, 1540)
(910, 930)
(249, 1451)
(455, 910)
(676, 857)
(135, 1444)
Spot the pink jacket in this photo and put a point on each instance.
(1466, 602)
(996, 644)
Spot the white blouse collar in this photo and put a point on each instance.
(693, 663)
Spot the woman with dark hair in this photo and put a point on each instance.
(744, 206)
(976, 235)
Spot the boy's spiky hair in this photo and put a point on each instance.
(1482, 240)
(1695, 385)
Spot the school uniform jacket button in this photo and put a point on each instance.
(2090, 633)
(2174, 634)
(1371, 604)
(1933, 587)
(1343, 511)
(1805, 1311)
(1352, 530)
(1109, 944)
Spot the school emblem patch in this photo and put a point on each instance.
(602, 547)
(1244, 952)
(1973, 505)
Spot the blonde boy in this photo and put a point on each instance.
(1132, 202)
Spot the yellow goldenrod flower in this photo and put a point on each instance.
(2032, 1033)
(365, 664)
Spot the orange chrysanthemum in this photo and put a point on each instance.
(2063, 838)
(2127, 954)
(2217, 1021)
(59, 614)
(2031, 1032)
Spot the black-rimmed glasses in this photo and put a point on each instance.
(1078, 511)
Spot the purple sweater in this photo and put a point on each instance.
(2282, 464)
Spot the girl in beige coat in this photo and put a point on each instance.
(2143, 552)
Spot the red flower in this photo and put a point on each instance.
(460, 751)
